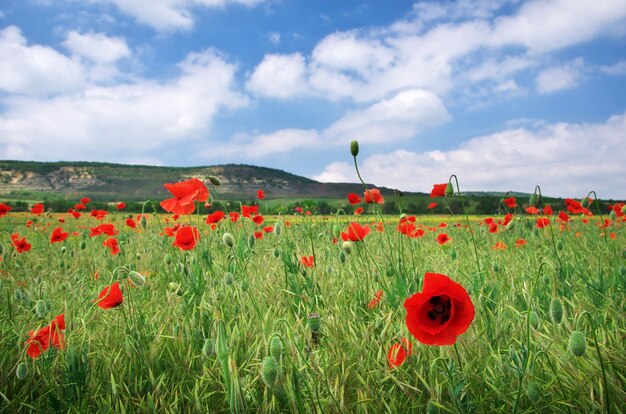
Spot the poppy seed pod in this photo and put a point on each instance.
(214, 180)
(143, 222)
(449, 190)
(354, 148)
(278, 228)
(228, 240)
(22, 371)
(314, 322)
(41, 308)
(495, 266)
(168, 259)
(556, 310)
(136, 278)
(269, 371)
(533, 392)
(342, 257)
(585, 202)
(533, 318)
(577, 343)
(276, 348)
(63, 250)
(347, 247)
(453, 254)
(83, 245)
(276, 252)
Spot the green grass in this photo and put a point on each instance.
(194, 337)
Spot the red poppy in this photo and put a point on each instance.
(58, 235)
(443, 238)
(308, 261)
(373, 196)
(170, 231)
(439, 190)
(112, 244)
(298, 210)
(185, 193)
(520, 243)
(21, 245)
(532, 210)
(547, 210)
(131, 223)
(28, 224)
(107, 228)
(499, 246)
(76, 214)
(354, 198)
(186, 238)
(99, 214)
(507, 219)
(563, 217)
(258, 235)
(85, 200)
(40, 340)
(542, 222)
(260, 194)
(234, 216)
(4, 209)
(80, 207)
(358, 211)
(378, 296)
(37, 209)
(110, 296)
(432, 204)
(380, 227)
(398, 352)
(268, 229)
(510, 202)
(440, 312)
(248, 211)
(121, 205)
(258, 220)
(355, 232)
(215, 217)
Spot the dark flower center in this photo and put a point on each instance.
(440, 309)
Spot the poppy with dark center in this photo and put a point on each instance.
(99, 214)
(439, 190)
(354, 198)
(76, 214)
(398, 352)
(40, 340)
(440, 312)
(185, 194)
(21, 245)
(258, 220)
(443, 238)
(308, 261)
(4, 209)
(113, 246)
(355, 232)
(373, 196)
(37, 209)
(58, 235)
(121, 205)
(510, 202)
(260, 194)
(215, 217)
(186, 238)
(110, 297)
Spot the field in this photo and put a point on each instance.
(302, 321)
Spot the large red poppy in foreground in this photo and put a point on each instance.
(440, 312)
(185, 193)
(110, 296)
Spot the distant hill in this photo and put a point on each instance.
(110, 182)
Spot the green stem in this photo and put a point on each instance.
(458, 190)
(595, 341)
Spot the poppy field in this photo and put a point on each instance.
(208, 310)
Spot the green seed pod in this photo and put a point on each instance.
(329, 270)
(276, 252)
(180, 267)
(577, 343)
(19, 295)
(138, 256)
(63, 249)
(22, 371)
(449, 190)
(453, 254)
(251, 241)
(354, 148)
(245, 285)
(314, 322)
(214, 180)
(533, 318)
(585, 202)
(278, 228)
(559, 245)
(533, 200)
(228, 278)
(556, 310)
(167, 259)
(431, 407)
(343, 257)
(143, 222)
(207, 348)
(347, 246)
(533, 392)
(41, 308)
(269, 371)
(277, 348)
(495, 266)
(136, 278)
(83, 245)
(228, 240)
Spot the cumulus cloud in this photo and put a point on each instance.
(564, 159)
(262, 145)
(559, 78)
(97, 47)
(279, 76)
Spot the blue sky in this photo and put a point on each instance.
(504, 94)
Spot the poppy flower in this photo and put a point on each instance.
(520, 243)
(37, 209)
(29, 223)
(215, 217)
(440, 312)
(80, 206)
(121, 205)
(171, 231)
(21, 245)
(308, 261)
(112, 244)
(380, 227)
(110, 297)
(563, 217)
(107, 228)
(542, 222)
(378, 296)
(40, 340)
(258, 220)
(260, 194)
(234, 216)
(248, 211)
(373, 196)
(443, 238)
(398, 352)
(532, 210)
(510, 202)
(439, 190)
(432, 204)
(58, 235)
(358, 211)
(4, 209)
(499, 246)
(186, 238)
(547, 210)
(76, 214)
(185, 193)
(131, 223)
(355, 232)
(268, 229)
(85, 200)
(258, 235)
(354, 198)
(298, 210)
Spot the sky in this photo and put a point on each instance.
(506, 95)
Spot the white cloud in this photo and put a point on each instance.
(97, 47)
(616, 69)
(564, 159)
(122, 121)
(558, 78)
(279, 76)
(35, 70)
(274, 38)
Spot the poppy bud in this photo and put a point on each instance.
(342, 257)
(453, 254)
(431, 407)
(577, 343)
(329, 269)
(278, 228)
(533, 392)
(251, 241)
(63, 249)
(277, 349)
(143, 222)
(22, 371)
(83, 245)
(612, 215)
(168, 259)
(19, 295)
(207, 348)
(354, 148)
(449, 190)
(585, 202)
(556, 310)
(41, 308)
(533, 318)
(228, 240)
(214, 180)
(559, 245)
(347, 247)
(336, 230)
(269, 371)
(136, 278)
(510, 225)
(314, 322)
(276, 252)
(495, 266)
(228, 278)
